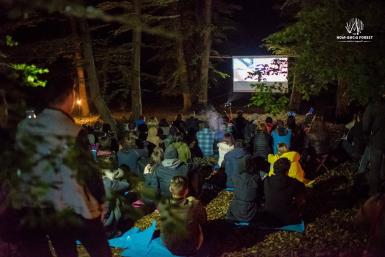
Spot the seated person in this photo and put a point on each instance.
(225, 146)
(235, 162)
(130, 154)
(269, 125)
(182, 148)
(205, 138)
(113, 184)
(262, 141)
(153, 140)
(281, 135)
(162, 174)
(245, 203)
(353, 142)
(284, 196)
(182, 218)
(295, 170)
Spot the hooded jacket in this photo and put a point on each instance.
(295, 170)
(244, 205)
(235, 163)
(163, 173)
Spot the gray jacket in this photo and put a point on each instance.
(49, 142)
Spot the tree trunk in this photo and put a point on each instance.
(82, 91)
(93, 82)
(206, 46)
(136, 92)
(182, 69)
(3, 110)
(295, 97)
(342, 98)
(81, 84)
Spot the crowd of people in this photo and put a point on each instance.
(267, 164)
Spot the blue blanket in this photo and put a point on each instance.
(300, 227)
(141, 243)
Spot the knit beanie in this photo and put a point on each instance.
(170, 153)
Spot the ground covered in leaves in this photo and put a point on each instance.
(331, 207)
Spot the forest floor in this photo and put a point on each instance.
(329, 215)
(329, 230)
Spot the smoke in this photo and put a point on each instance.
(214, 118)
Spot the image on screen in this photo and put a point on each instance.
(270, 70)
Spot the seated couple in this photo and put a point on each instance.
(284, 197)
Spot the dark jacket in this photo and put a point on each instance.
(162, 175)
(244, 205)
(373, 124)
(281, 196)
(262, 144)
(234, 163)
(181, 227)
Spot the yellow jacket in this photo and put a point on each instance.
(295, 170)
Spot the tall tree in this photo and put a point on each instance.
(81, 80)
(136, 90)
(206, 46)
(93, 82)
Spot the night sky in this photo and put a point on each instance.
(256, 20)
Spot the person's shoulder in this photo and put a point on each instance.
(294, 182)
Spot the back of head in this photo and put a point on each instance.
(203, 125)
(269, 120)
(239, 143)
(179, 186)
(129, 140)
(157, 155)
(282, 148)
(251, 165)
(281, 166)
(105, 142)
(291, 122)
(163, 123)
(170, 153)
(260, 126)
(281, 128)
(229, 139)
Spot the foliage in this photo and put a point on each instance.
(266, 97)
(30, 74)
(10, 42)
(320, 59)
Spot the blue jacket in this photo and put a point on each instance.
(277, 139)
(235, 163)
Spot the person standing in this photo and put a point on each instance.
(60, 187)
(373, 126)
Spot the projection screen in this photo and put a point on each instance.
(270, 70)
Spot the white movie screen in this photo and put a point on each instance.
(269, 70)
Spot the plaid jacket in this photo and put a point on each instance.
(205, 139)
